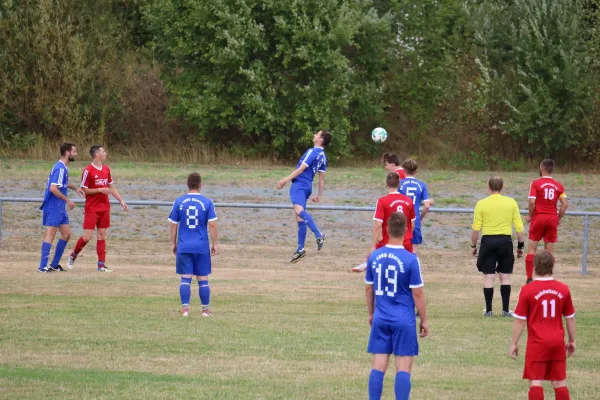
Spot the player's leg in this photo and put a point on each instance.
(406, 347)
(505, 289)
(310, 222)
(65, 235)
(184, 268)
(535, 235)
(551, 235)
(298, 199)
(417, 238)
(381, 346)
(488, 293)
(378, 369)
(536, 390)
(103, 225)
(558, 376)
(51, 225)
(90, 220)
(203, 268)
(549, 247)
(561, 390)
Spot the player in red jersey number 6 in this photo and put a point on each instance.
(97, 183)
(542, 305)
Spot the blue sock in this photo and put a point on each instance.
(46, 247)
(301, 234)
(204, 291)
(375, 384)
(311, 223)
(185, 291)
(402, 385)
(58, 252)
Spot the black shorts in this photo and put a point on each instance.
(496, 255)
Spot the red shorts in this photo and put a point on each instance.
(408, 244)
(544, 227)
(99, 219)
(551, 370)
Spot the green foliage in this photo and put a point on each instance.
(273, 71)
(540, 67)
(57, 67)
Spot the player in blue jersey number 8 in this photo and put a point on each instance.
(394, 288)
(310, 163)
(192, 218)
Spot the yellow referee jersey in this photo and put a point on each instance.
(496, 214)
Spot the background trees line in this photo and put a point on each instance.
(468, 83)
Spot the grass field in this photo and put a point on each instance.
(279, 331)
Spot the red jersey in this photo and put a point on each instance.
(96, 178)
(401, 173)
(543, 303)
(391, 203)
(546, 192)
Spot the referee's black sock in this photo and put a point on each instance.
(488, 293)
(505, 293)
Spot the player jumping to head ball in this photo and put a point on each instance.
(310, 163)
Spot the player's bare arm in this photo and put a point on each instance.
(173, 234)
(321, 187)
(77, 190)
(370, 297)
(377, 234)
(117, 196)
(564, 204)
(426, 206)
(420, 303)
(474, 239)
(531, 208)
(55, 191)
(212, 228)
(291, 176)
(571, 346)
(517, 331)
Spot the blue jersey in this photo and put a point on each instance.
(59, 176)
(315, 161)
(393, 272)
(417, 191)
(193, 212)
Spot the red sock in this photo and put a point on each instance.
(536, 393)
(529, 265)
(101, 250)
(562, 393)
(79, 246)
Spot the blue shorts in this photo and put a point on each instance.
(193, 264)
(299, 195)
(55, 219)
(417, 236)
(398, 340)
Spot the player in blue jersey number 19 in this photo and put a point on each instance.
(192, 218)
(310, 163)
(394, 288)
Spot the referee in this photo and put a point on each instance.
(494, 217)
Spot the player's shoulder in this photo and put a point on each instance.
(563, 287)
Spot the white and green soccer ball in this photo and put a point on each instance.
(379, 135)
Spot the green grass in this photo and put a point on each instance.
(276, 334)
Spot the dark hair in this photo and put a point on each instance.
(410, 166)
(326, 136)
(547, 165)
(496, 183)
(392, 180)
(397, 225)
(194, 180)
(66, 147)
(391, 158)
(94, 150)
(543, 263)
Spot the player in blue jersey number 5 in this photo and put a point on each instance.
(394, 288)
(192, 217)
(310, 163)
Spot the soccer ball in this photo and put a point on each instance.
(379, 135)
